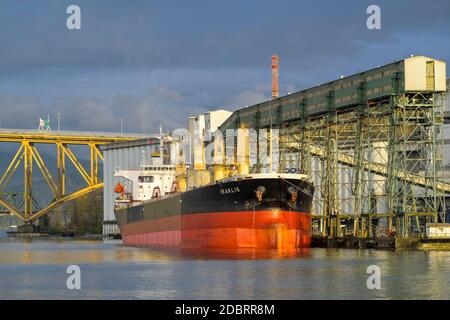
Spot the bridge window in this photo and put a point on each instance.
(146, 179)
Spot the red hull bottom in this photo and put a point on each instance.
(273, 229)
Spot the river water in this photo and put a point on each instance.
(36, 269)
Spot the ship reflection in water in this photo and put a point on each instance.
(27, 251)
(242, 254)
(36, 269)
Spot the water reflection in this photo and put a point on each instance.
(239, 254)
(38, 251)
(36, 269)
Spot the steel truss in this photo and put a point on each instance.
(377, 166)
(28, 157)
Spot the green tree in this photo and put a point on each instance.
(86, 213)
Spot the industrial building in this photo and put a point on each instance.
(414, 74)
(372, 143)
(201, 129)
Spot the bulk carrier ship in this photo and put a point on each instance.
(262, 210)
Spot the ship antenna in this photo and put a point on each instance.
(161, 144)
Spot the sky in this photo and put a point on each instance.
(158, 62)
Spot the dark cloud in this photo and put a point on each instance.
(161, 105)
(154, 62)
(204, 34)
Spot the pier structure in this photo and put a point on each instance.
(372, 143)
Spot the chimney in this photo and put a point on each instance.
(274, 76)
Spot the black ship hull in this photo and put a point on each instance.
(247, 213)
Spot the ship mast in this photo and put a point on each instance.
(161, 144)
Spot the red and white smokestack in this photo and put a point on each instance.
(274, 76)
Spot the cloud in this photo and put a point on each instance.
(93, 115)
(95, 100)
(159, 62)
(203, 35)
(19, 110)
(248, 98)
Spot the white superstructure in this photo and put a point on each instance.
(150, 181)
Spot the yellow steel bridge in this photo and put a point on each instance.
(29, 159)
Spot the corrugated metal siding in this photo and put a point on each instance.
(340, 93)
(447, 97)
(125, 156)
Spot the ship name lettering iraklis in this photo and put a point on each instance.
(229, 190)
